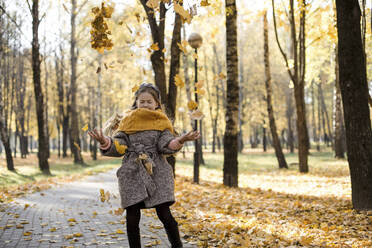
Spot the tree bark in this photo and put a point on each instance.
(339, 122)
(230, 165)
(297, 75)
(276, 142)
(39, 97)
(354, 91)
(75, 143)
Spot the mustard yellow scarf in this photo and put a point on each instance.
(142, 119)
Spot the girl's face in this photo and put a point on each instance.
(146, 100)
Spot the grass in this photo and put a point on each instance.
(257, 170)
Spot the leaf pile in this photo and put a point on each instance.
(213, 215)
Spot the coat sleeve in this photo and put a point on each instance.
(164, 139)
(118, 146)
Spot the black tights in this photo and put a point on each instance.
(134, 216)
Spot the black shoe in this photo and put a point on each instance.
(134, 239)
(174, 237)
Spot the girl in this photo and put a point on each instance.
(145, 179)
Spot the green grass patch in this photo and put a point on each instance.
(320, 163)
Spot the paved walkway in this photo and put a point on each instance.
(71, 215)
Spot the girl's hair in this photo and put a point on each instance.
(148, 88)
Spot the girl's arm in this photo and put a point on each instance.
(110, 146)
(177, 143)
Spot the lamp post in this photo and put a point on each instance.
(195, 41)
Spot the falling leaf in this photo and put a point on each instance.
(200, 92)
(199, 84)
(222, 75)
(195, 56)
(106, 67)
(155, 46)
(178, 81)
(135, 88)
(120, 148)
(98, 69)
(64, 6)
(182, 48)
(85, 128)
(164, 50)
(130, 30)
(196, 115)
(153, 4)
(121, 23)
(204, 3)
(192, 105)
(138, 16)
(182, 12)
(77, 146)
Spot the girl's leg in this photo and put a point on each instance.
(133, 231)
(170, 225)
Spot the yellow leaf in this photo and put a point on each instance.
(222, 75)
(78, 235)
(195, 56)
(85, 128)
(178, 81)
(119, 211)
(69, 236)
(28, 233)
(120, 148)
(196, 115)
(155, 46)
(153, 4)
(199, 84)
(26, 205)
(53, 229)
(135, 88)
(192, 105)
(182, 12)
(101, 50)
(200, 92)
(182, 48)
(164, 50)
(204, 3)
(77, 146)
(119, 231)
(71, 220)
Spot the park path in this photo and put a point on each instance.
(52, 218)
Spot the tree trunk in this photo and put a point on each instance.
(230, 165)
(339, 123)
(264, 140)
(289, 114)
(74, 130)
(276, 142)
(39, 97)
(354, 91)
(297, 75)
(174, 70)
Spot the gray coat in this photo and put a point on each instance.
(135, 183)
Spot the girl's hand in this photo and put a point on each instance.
(98, 135)
(192, 135)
